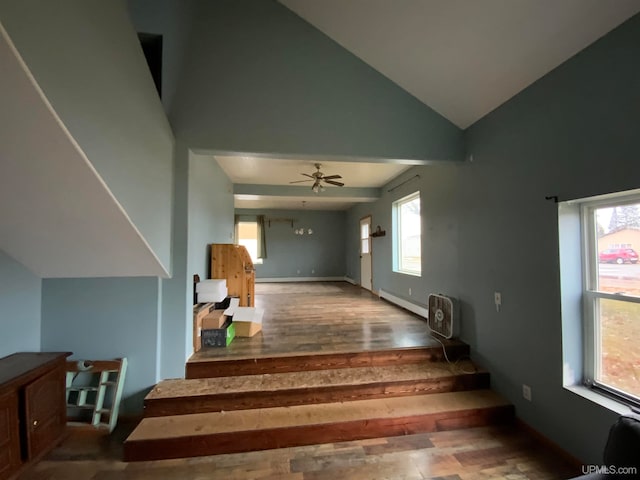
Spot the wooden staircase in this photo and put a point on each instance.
(229, 406)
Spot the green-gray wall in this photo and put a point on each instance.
(572, 134)
(104, 318)
(321, 254)
(487, 226)
(86, 57)
(20, 297)
(260, 79)
(439, 211)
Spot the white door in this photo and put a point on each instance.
(366, 275)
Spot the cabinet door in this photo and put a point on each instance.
(45, 411)
(9, 436)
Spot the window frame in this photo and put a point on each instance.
(257, 260)
(591, 294)
(397, 238)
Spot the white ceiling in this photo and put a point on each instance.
(57, 216)
(280, 171)
(464, 58)
(252, 170)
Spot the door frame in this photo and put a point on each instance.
(370, 217)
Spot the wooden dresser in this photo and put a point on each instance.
(33, 413)
(233, 263)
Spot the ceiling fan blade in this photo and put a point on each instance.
(300, 181)
(307, 175)
(330, 177)
(338, 184)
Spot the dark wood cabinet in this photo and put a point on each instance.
(32, 407)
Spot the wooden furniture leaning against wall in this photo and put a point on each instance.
(33, 413)
(233, 263)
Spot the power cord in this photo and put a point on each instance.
(455, 364)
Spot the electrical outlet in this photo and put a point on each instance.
(298, 272)
(526, 392)
(409, 292)
(497, 299)
(313, 270)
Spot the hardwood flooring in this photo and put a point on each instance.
(325, 327)
(495, 452)
(321, 318)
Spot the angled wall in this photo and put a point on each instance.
(260, 79)
(86, 58)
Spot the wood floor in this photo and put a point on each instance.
(321, 343)
(324, 317)
(503, 452)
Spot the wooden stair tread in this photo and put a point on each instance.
(215, 355)
(188, 388)
(206, 424)
(205, 366)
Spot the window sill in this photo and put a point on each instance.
(413, 274)
(602, 400)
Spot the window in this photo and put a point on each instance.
(407, 235)
(248, 236)
(611, 296)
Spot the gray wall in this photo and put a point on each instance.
(86, 57)
(439, 211)
(104, 318)
(260, 79)
(487, 227)
(210, 211)
(321, 254)
(20, 297)
(172, 19)
(572, 134)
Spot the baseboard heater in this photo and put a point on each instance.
(299, 279)
(401, 302)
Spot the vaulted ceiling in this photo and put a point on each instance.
(461, 58)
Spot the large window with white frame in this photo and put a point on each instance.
(611, 295)
(407, 235)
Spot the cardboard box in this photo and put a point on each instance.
(219, 337)
(215, 319)
(199, 312)
(247, 329)
(248, 321)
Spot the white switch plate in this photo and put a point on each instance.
(497, 298)
(526, 392)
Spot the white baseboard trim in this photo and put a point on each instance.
(300, 279)
(412, 307)
(350, 280)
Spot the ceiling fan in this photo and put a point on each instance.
(318, 177)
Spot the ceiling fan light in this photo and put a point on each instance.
(321, 188)
(315, 188)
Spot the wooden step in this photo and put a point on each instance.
(262, 429)
(206, 365)
(180, 397)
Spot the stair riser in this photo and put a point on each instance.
(300, 363)
(260, 399)
(237, 442)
